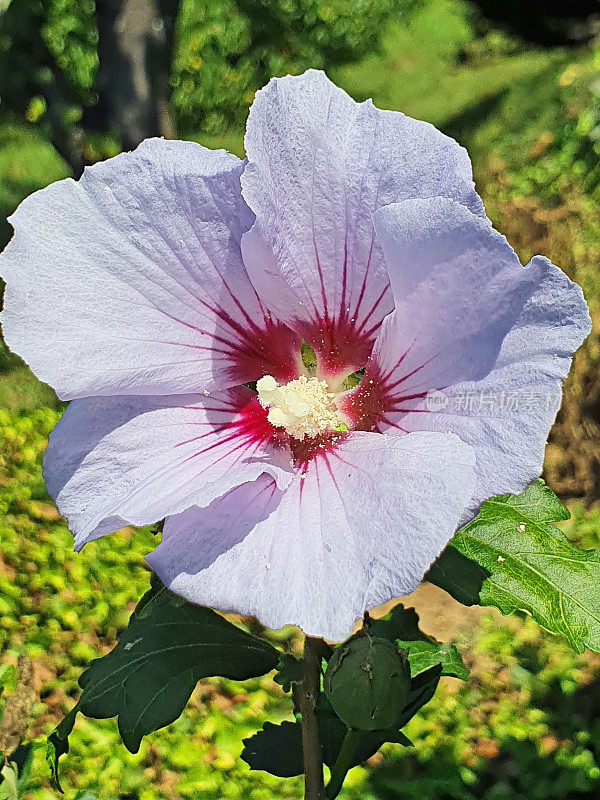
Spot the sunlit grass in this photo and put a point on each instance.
(27, 163)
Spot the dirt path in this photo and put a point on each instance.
(440, 615)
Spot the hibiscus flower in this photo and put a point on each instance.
(274, 354)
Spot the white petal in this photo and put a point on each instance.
(117, 461)
(319, 165)
(361, 528)
(131, 280)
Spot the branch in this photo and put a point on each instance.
(308, 693)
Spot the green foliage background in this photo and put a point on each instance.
(225, 50)
(524, 726)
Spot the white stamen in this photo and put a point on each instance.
(304, 407)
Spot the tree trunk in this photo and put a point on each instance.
(135, 39)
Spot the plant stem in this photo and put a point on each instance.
(307, 698)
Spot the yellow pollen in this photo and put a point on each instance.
(303, 407)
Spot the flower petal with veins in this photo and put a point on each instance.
(135, 276)
(151, 290)
(473, 322)
(122, 461)
(374, 514)
(319, 165)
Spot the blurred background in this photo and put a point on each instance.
(518, 83)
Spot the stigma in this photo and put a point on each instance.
(304, 407)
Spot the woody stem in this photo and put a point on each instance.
(307, 698)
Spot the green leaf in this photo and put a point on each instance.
(530, 566)
(289, 671)
(8, 676)
(147, 679)
(422, 689)
(309, 359)
(14, 775)
(169, 644)
(422, 655)
(9, 782)
(367, 682)
(278, 748)
(459, 576)
(401, 626)
(58, 745)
